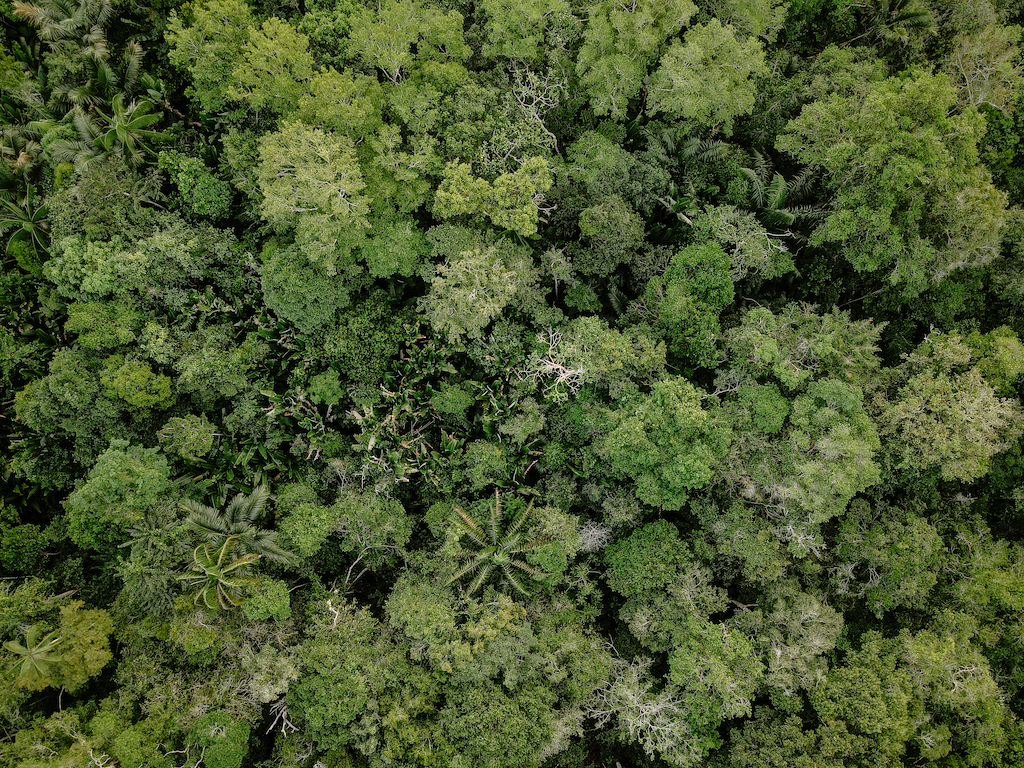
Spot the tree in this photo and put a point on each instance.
(274, 68)
(311, 179)
(688, 298)
(620, 42)
(664, 441)
(36, 658)
(125, 481)
(124, 135)
(909, 194)
(709, 78)
(237, 521)
(472, 288)
(983, 67)
(207, 39)
(512, 201)
(386, 37)
(497, 547)
(938, 411)
(529, 31)
(217, 576)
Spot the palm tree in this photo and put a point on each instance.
(37, 658)
(26, 220)
(892, 21)
(219, 577)
(238, 521)
(495, 548)
(61, 20)
(775, 200)
(124, 134)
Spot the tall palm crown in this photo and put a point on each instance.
(495, 548)
(36, 658)
(218, 577)
(238, 520)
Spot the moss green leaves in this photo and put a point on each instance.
(665, 441)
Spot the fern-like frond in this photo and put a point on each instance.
(247, 508)
(756, 187)
(519, 522)
(205, 521)
(775, 194)
(514, 580)
(706, 151)
(494, 528)
(485, 572)
(470, 527)
(132, 67)
(467, 569)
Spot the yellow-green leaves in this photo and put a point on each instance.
(512, 201)
(311, 180)
(709, 78)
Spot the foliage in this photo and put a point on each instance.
(447, 384)
(126, 481)
(497, 546)
(918, 208)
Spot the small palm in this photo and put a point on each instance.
(238, 520)
(37, 657)
(218, 577)
(495, 548)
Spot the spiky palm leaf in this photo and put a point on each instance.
(497, 548)
(238, 520)
(29, 221)
(58, 20)
(218, 577)
(772, 196)
(703, 151)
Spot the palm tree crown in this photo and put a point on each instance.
(495, 548)
(238, 520)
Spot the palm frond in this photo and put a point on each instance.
(514, 581)
(132, 67)
(495, 519)
(520, 520)
(205, 521)
(756, 186)
(485, 572)
(775, 196)
(706, 151)
(470, 527)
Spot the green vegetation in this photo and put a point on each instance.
(493, 384)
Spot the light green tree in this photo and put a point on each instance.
(473, 287)
(512, 201)
(398, 34)
(620, 42)
(274, 69)
(938, 411)
(311, 180)
(709, 78)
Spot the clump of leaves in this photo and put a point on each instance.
(494, 548)
(35, 659)
(219, 577)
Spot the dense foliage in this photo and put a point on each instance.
(454, 383)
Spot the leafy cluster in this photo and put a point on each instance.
(478, 383)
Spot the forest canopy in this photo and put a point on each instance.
(489, 384)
